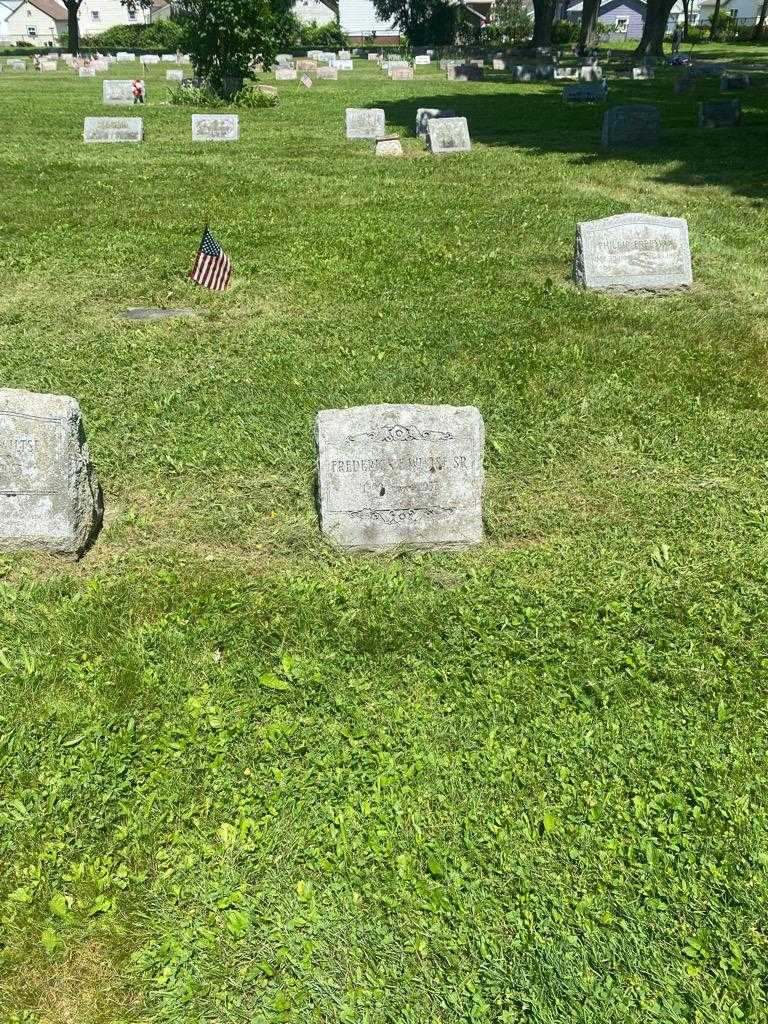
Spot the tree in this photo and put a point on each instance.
(421, 21)
(224, 38)
(757, 34)
(543, 19)
(656, 19)
(588, 36)
(73, 25)
(714, 22)
(686, 18)
(512, 19)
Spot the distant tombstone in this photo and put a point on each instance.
(150, 59)
(305, 81)
(465, 73)
(284, 58)
(117, 92)
(390, 145)
(544, 72)
(174, 75)
(344, 55)
(719, 113)
(328, 73)
(728, 83)
(423, 116)
(633, 252)
(113, 129)
(100, 65)
(589, 92)
(17, 65)
(523, 72)
(48, 65)
(590, 73)
(373, 56)
(122, 55)
(498, 64)
(401, 74)
(86, 72)
(643, 73)
(215, 127)
(306, 65)
(268, 90)
(635, 125)
(478, 62)
(344, 64)
(448, 135)
(365, 123)
(565, 73)
(400, 476)
(286, 75)
(50, 497)
(422, 58)
(169, 58)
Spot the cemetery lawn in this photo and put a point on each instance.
(245, 778)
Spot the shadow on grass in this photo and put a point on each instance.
(535, 118)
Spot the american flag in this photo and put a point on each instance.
(212, 268)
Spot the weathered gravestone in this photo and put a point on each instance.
(590, 73)
(48, 65)
(117, 92)
(17, 65)
(633, 252)
(448, 135)
(331, 74)
(635, 125)
(498, 64)
(150, 58)
(286, 75)
(423, 115)
(401, 74)
(343, 65)
(365, 123)
(174, 75)
(86, 73)
(303, 64)
(642, 74)
(465, 73)
(566, 73)
(523, 72)
(728, 83)
(215, 127)
(373, 56)
(719, 113)
(590, 92)
(113, 129)
(390, 145)
(50, 498)
(422, 59)
(169, 58)
(400, 475)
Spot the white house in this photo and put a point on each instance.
(6, 7)
(37, 22)
(42, 21)
(747, 12)
(357, 18)
(308, 11)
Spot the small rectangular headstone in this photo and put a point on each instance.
(117, 92)
(638, 124)
(423, 115)
(644, 74)
(498, 64)
(719, 113)
(174, 75)
(50, 499)
(215, 127)
(633, 252)
(589, 92)
(86, 73)
(373, 56)
(401, 74)
(48, 65)
(728, 83)
(566, 73)
(286, 75)
(330, 74)
(422, 58)
(169, 58)
(590, 73)
(400, 475)
(304, 64)
(448, 135)
(465, 73)
(343, 64)
(365, 123)
(390, 145)
(113, 129)
(150, 59)
(17, 65)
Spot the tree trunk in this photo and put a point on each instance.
(761, 22)
(543, 17)
(686, 16)
(73, 27)
(714, 30)
(655, 27)
(588, 31)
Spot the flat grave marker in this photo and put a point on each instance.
(390, 145)
(215, 127)
(113, 129)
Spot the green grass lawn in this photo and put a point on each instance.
(245, 779)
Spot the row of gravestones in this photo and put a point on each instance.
(388, 475)
(442, 131)
(205, 128)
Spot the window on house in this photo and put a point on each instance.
(31, 31)
(131, 15)
(622, 24)
(95, 16)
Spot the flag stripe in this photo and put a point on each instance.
(212, 268)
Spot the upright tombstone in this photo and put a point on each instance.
(423, 115)
(373, 56)
(331, 74)
(174, 75)
(642, 74)
(635, 125)
(365, 123)
(50, 498)
(283, 74)
(113, 129)
(565, 73)
(498, 64)
(730, 82)
(150, 59)
(448, 135)
(117, 92)
(422, 59)
(215, 127)
(589, 92)
(719, 113)
(86, 72)
(305, 64)
(169, 58)
(590, 73)
(17, 65)
(343, 64)
(633, 252)
(465, 73)
(401, 74)
(400, 475)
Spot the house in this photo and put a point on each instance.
(358, 18)
(313, 11)
(37, 22)
(745, 12)
(626, 18)
(6, 6)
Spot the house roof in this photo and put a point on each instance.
(53, 9)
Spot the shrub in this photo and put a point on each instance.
(246, 99)
(323, 37)
(161, 35)
(565, 32)
(697, 34)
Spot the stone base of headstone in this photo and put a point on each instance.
(390, 145)
(50, 496)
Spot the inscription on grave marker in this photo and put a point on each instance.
(633, 252)
(215, 127)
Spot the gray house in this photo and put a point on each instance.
(624, 17)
